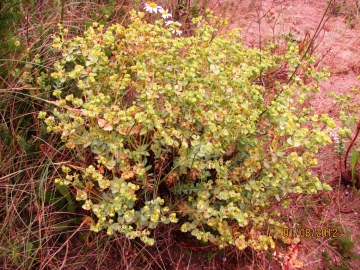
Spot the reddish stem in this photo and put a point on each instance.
(352, 143)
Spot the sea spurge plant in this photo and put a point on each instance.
(179, 127)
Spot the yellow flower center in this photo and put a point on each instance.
(152, 4)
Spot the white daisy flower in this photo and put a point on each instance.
(176, 31)
(165, 13)
(152, 7)
(167, 23)
(176, 28)
(170, 22)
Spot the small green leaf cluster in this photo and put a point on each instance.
(10, 47)
(347, 106)
(179, 127)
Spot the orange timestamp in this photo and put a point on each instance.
(304, 232)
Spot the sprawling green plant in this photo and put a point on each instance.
(176, 127)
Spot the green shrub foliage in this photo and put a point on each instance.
(179, 128)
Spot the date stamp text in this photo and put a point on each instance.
(304, 232)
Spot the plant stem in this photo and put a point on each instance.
(352, 143)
